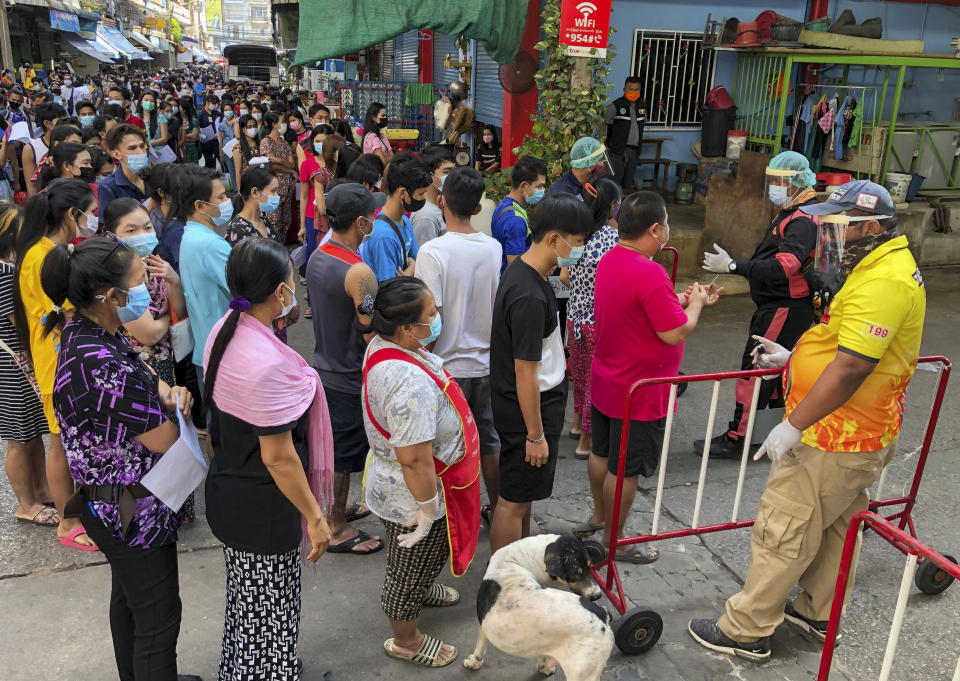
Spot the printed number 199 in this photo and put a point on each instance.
(877, 331)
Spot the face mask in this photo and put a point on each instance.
(14, 106)
(778, 195)
(318, 147)
(149, 106)
(57, 99)
(664, 243)
(631, 96)
(228, 114)
(251, 132)
(283, 128)
(366, 234)
(413, 206)
(67, 83)
(141, 244)
(88, 174)
(436, 326)
(226, 212)
(257, 117)
(267, 102)
(174, 109)
(87, 121)
(443, 178)
(296, 125)
(87, 226)
(271, 204)
(488, 139)
(117, 102)
(138, 301)
(576, 252)
(536, 196)
(286, 308)
(243, 112)
(136, 162)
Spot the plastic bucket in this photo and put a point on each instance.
(683, 193)
(713, 130)
(897, 185)
(736, 142)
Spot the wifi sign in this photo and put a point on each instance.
(585, 26)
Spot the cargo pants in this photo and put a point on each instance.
(798, 537)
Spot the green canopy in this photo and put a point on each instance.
(333, 28)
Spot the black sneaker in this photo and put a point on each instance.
(721, 447)
(707, 633)
(816, 627)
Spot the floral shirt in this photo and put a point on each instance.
(104, 398)
(157, 355)
(240, 228)
(583, 275)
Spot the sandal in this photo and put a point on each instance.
(574, 435)
(586, 529)
(486, 513)
(48, 517)
(440, 596)
(581, 454)
(639, 556)
(71, 540)
(354, 512)
(348, 545)
(428, 654)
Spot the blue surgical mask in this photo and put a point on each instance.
(436, 326)
(141, 244)
(87, 121)
(576, 252)
(318, 147)
(138, 301)
(537, 195)
(136, 162)
(778, 195)
(257, 116)
(226, 212)
(271, 204)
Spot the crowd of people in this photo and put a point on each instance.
(148, 273)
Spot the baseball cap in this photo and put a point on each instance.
(346, 202)
(857, 195)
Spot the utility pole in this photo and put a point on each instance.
(6, 51)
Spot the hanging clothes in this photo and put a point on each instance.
(856, 126)
(818, 139)
(838, 125)
(802, 130)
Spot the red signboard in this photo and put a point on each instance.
(585, 27)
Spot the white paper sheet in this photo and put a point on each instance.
(299, 256)
(180, 470)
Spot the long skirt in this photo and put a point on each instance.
(262, 616)
(581, 363)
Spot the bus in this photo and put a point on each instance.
(252, 63)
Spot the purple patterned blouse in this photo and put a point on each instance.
(104, 396)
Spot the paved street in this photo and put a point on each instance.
(54, 600)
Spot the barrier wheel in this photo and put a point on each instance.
(931, 580)
(638, 631)
(595, 551)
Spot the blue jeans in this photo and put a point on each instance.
(310, 244)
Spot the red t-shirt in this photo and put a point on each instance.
(633, 300)
(137, 121)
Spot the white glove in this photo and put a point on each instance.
(717, 262)
(769, 355)
(423, 519)
(781, 440)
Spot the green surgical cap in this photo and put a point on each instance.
(586, 152)
(791, 160)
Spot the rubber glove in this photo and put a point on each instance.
(769, 355)
(423, 519)
(781, 440)
(717, 262)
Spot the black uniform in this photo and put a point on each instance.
(784, 305)
(621, 116)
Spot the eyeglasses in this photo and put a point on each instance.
(118, 244)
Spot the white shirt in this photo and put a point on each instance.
(463, 272)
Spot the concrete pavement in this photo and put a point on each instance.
(54, 600)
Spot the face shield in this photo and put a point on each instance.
(597, 160)
(780, 190)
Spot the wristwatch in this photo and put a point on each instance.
(732, 266)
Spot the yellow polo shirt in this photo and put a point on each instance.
(878, 316)
(43, 349)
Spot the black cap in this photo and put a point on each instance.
(346, 202)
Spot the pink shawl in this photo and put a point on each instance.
(267, 383)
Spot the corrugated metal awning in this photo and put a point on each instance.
(88, 48)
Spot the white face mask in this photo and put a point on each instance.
(287, 308)
(283, 128)
(251, 132)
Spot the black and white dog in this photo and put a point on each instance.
(521, 615)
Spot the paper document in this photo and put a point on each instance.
(181, 470)
(299, 256)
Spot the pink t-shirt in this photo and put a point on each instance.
(633, 300)
(372, 142)
(309, 170)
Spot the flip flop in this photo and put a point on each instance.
(70, 540)
(347, 546)
(639, 556)
(48, 517)
(354, 513)
(486, 513)
(586, 529)
(441, 596)
(573, 436)
(428, 654)
(581, 454)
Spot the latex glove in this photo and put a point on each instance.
(423, 519)
(769, 355)
(781, 440)
(718, 262)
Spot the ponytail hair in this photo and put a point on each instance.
(254, 270)
(81, 273)
(10, 221)
(399, 302)
(62, 154)
(253, 177)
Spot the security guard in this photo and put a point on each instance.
(777, 286)
(846, 385)
(625, 119)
